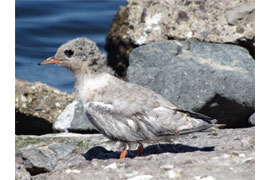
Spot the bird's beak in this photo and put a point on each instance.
(51, 60)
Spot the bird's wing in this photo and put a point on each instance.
(131, 98)
(114, 124)
(136, 113)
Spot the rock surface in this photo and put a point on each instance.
(251, 119)
(143, 22)
(37, 106)
(72, 119)
(214, 79)
(20, 172)
(223, 154)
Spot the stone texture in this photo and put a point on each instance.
(143, 22)
(251, 119)
(221, 154)
(20, 172)
(213, 79)
(37, 106)
(72, 119)
(241, 15)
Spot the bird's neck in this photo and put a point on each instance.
(91, 78)
(89, 72)
(89, 86)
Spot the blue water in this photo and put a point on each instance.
(43, 25)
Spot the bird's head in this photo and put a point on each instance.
(77, 54)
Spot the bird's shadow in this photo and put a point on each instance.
(101, 153)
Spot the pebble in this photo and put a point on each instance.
(141, 177)
(57, 104)
(175, 174)
(226, 155)
(111, 166)
(242, 155)
(75, 171)
(204, 178)
(167, 167)
(23, 98)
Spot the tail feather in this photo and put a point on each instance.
(210, 122)
(195, 129)
(198, 116)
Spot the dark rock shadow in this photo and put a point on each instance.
(246, 43)
(101, 153)
(227, 111)
(31, 125)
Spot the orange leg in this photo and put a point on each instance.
(123, 153)
(140, 150)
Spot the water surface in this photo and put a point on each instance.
(43, 25)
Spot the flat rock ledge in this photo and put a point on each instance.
(37, 106)
(216, 155)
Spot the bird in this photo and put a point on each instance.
(122, 111)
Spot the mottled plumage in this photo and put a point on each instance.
(122, 111)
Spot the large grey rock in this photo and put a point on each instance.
(222, 154)
(72, 119)
(147, 21)
(213, 79)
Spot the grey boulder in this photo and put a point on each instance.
(214, 79)
(72, 119)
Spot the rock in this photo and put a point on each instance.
(62, 150)
(222, 154)
(37, 106)
(37, 160)
(241, 15)
(20, 171)
(72, 119)
(251, 119)
(143, 22)
(214, 79)
(117, 43)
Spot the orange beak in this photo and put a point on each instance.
(51, 60)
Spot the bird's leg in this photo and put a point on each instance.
(123, 152)
(140, 149)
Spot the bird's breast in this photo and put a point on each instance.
(92, 88)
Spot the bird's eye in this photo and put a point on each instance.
(68, 53)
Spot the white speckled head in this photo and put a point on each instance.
(78, 54)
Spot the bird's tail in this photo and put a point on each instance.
(198, 116)
(210, 122)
